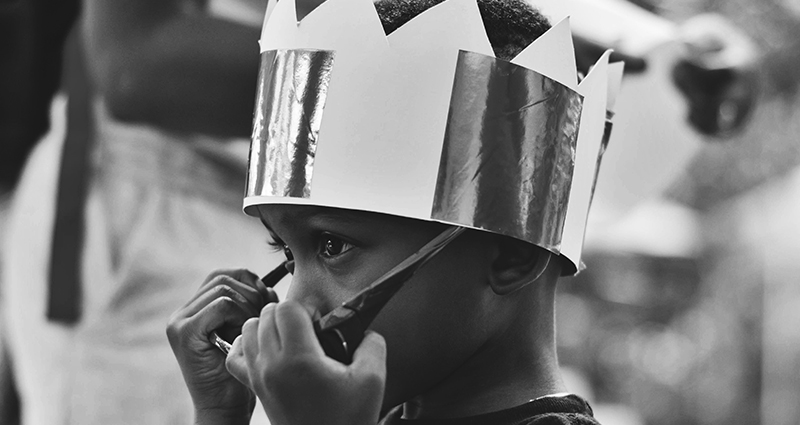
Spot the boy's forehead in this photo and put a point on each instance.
(294, 215)
(282, 214)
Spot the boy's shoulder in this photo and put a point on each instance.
(567, 409)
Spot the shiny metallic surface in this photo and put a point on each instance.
(509, 151)
(507, 157)
(292, 89)
(220, 343)
(603, 146)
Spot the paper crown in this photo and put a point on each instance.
(426, 123)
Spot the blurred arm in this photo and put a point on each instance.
(588, 51)
(159, 63)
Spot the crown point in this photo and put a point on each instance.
(552, 55)
(280, 26)
(343, 25)
(594, 88)
(598, 71)
(340, 25)
(451, 25)
(615, 71)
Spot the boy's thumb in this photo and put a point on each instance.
(371, 354)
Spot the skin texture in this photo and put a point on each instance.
(279, 357)
(224, 301)
(471, 332)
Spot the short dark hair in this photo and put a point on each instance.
(511, 25)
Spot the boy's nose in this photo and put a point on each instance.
(308, 290)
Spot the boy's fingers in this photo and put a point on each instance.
(220, 312)
(236, 363)
(370, 356)
(250, 337)
(268, 339)
(236, 278)
(236, 347)
(268, 295)
(243, 275)
(271, 296)
(265, 292)
(251, 294)
(295, 328)
(218, 277)
(219, 291)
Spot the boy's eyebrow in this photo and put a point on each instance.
(323, 217)
(318, 217)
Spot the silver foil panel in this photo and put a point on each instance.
(509, 151)
(292, 89)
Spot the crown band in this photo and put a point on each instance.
(507, 152)
(292, 89)
(426, 123)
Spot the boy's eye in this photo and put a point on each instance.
(333, 246)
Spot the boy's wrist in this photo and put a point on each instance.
(222, 416)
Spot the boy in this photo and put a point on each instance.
(470, 337)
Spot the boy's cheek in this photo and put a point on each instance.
(417, 354)
(320, 293)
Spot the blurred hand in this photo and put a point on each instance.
(717, 74)
(224, 302)
(279, 357)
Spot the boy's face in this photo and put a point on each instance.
(432, 325)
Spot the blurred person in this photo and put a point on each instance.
(32, 33)
(716, 71)
(688, 84)
(162, 97)
(718, 74)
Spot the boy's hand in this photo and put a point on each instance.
(224, 301)
(279, 357)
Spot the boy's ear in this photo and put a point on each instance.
(516, 264)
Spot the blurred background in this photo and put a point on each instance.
(689, 309)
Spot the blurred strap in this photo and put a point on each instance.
(64, 290)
